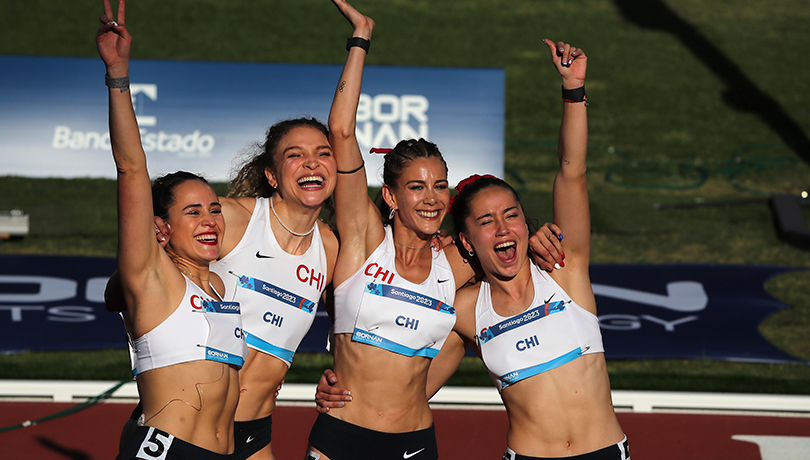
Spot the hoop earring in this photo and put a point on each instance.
(471, 253)
(391, 214)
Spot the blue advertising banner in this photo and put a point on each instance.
(56, 303)
(198, 116)
(646, 311)
(686, 311)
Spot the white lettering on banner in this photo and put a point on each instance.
(62, 313)
(632, 322)
(185, 145)
(65, 138)
(669, 326)
(72, 314)
(387, 110)
(148, 90)
(49, 289)
(190, 146)
(94, 290)
(17, 310)
(684, 296)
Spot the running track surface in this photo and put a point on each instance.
(92, 434)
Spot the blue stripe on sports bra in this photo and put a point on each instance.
(529, 316)
(520, 374)
(411, 297)
(378, 341)
(221, 307)
(282, 295)
(268, 347)
(212, 354)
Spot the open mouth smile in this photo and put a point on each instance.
(428, 214)
(207, 238)
(311, 182)
(506, 251)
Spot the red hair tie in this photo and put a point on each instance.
(464, 183)
(376, 150)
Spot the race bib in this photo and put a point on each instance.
(402, 321)
(279, 326)
(225, 343)
(155, 445)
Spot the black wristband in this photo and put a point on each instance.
(121, 82)
(575, 95)
(358, 42)
(353, 170)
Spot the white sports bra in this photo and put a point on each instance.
(278, 292)
(380, 308)
(550, 333)
(200, 328)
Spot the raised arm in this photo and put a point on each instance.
(571, 208)
(358, 221)
(137, 247)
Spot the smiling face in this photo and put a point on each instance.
(421, 195)
(196, 222)
(497, 232)
(305, 167)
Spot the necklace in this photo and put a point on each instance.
(287, 228)
(193, 275)
(411, 247)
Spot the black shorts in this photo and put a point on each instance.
(150, 443)
(341, 440)
(137, 412)
(251, 437)
(619, 451)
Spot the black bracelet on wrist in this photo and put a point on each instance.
(121, 82)
(575, 95)
(353, 170)
(358, 42)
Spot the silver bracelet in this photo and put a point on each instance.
(122, 82)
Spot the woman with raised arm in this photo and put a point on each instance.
(277, 259)
(393, 294)
(538, 333)
(188, 342)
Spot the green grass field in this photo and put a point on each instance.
(691, 103)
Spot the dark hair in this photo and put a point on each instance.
(250, 180)
(163, 191)
(399, 158)
(467, 190)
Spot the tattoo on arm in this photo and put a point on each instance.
(342, 85)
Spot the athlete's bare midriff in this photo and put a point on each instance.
(388, 389)
(259, 379)
(192, 401)
(563, 412)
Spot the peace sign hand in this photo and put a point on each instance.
(114, 41)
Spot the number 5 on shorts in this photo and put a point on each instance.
(156, 445)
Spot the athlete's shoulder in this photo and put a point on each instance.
(467, 296)
(238, 208)
(463, 272)
(330, 240)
